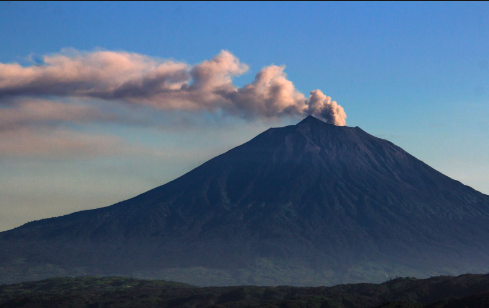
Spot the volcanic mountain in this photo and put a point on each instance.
(305, 204)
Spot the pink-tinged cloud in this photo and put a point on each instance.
(33, 128)
(167, 85)
(40, 112)
(63, 144)
(56, 144)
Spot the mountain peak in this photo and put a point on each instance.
(310, 120)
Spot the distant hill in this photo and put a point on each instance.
(437, 292)
(306, 204)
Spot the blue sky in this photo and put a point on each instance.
(416, 74)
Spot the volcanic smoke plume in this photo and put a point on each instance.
(167, 85)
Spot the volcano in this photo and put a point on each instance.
(305, 204)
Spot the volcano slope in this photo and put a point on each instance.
(305, 204)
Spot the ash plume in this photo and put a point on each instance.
(167, 85)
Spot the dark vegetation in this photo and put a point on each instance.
(307, 204)
(436, 292)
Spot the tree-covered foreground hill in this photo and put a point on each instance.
(443, 291)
